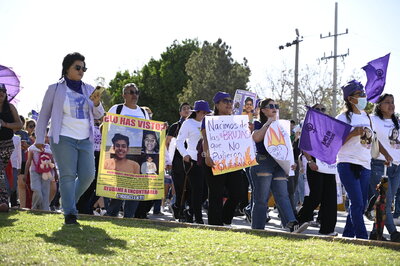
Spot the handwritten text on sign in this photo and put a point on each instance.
(229, 142)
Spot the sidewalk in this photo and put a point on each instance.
(273, 225)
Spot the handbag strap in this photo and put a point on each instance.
(370, 123)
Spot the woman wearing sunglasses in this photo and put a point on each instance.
(354, 158)
(220, 213)
(72, 108)
(322, 182)
(386, 125)
(268, 176)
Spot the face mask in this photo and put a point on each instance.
(362, 102)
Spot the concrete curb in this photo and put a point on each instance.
(174, 224)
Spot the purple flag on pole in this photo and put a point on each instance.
(322, 136)
(35, 115)
(376, 75)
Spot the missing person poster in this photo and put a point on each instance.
(244, 103)
(131, 165)
(230, 143)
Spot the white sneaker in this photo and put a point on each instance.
(396, 221)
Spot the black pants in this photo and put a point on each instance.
(178, 177)
(322, 191)
(218, 211)
(88, 198)
(196, 181)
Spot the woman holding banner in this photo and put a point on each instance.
(322, 182)
(220, 213)
(72, 108)
(354, 158)
(385, 123)
(269, 175)
(190, 133)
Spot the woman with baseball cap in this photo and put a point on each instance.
(190, 133)
(220, 212)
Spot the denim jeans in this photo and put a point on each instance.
(393, 173)
(299, 194)
(75, 161)
(266, 176)
(355, 180)
(396, 213)
(130, 207)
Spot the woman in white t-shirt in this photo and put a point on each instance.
(191, 134)
(354, 158)
(386, 126)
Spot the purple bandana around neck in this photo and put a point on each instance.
(74, 85)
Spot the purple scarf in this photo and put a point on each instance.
(74, 85)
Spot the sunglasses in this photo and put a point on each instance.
(227, 101)
(132, 92)
(78, 68)
(320, 109)
(272, 106)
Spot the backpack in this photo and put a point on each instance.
(44, 163)
(119, 109)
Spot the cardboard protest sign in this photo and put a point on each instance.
(230, 143)
(278, 145)
(132, 160)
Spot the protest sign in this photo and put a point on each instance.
(244, 103)
(132, 156)
(278, 145)
(230, 143)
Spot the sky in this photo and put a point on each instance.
(123, 35)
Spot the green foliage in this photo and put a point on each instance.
(213, 69)
(159, 81)
(41, 239)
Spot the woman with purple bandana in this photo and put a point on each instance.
(354, 158)
(72, 108)
(220, 212)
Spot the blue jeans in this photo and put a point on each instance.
(299, 194)
(393, 173)
(396, 213)
(75, 161)
(130, 207)
(355, 180)
(268, 175)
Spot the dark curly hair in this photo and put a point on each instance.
(378, 111)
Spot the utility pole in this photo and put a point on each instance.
(296, 73)
(334, 56)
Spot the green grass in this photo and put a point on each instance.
(41, 238)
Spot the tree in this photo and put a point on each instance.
(315, 86)
(213, 69)
(159, 81)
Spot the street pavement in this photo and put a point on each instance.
(240, 222)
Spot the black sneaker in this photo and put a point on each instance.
(247, 212)
(369, 216)
(71, 219)
(395, 236)
(296, 227)
(374, 236)
(176, 211)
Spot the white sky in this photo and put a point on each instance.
(118, 35)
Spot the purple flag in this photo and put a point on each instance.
(376, 75)
(35, 115)
(322, 136)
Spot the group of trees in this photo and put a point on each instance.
(188, 71)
